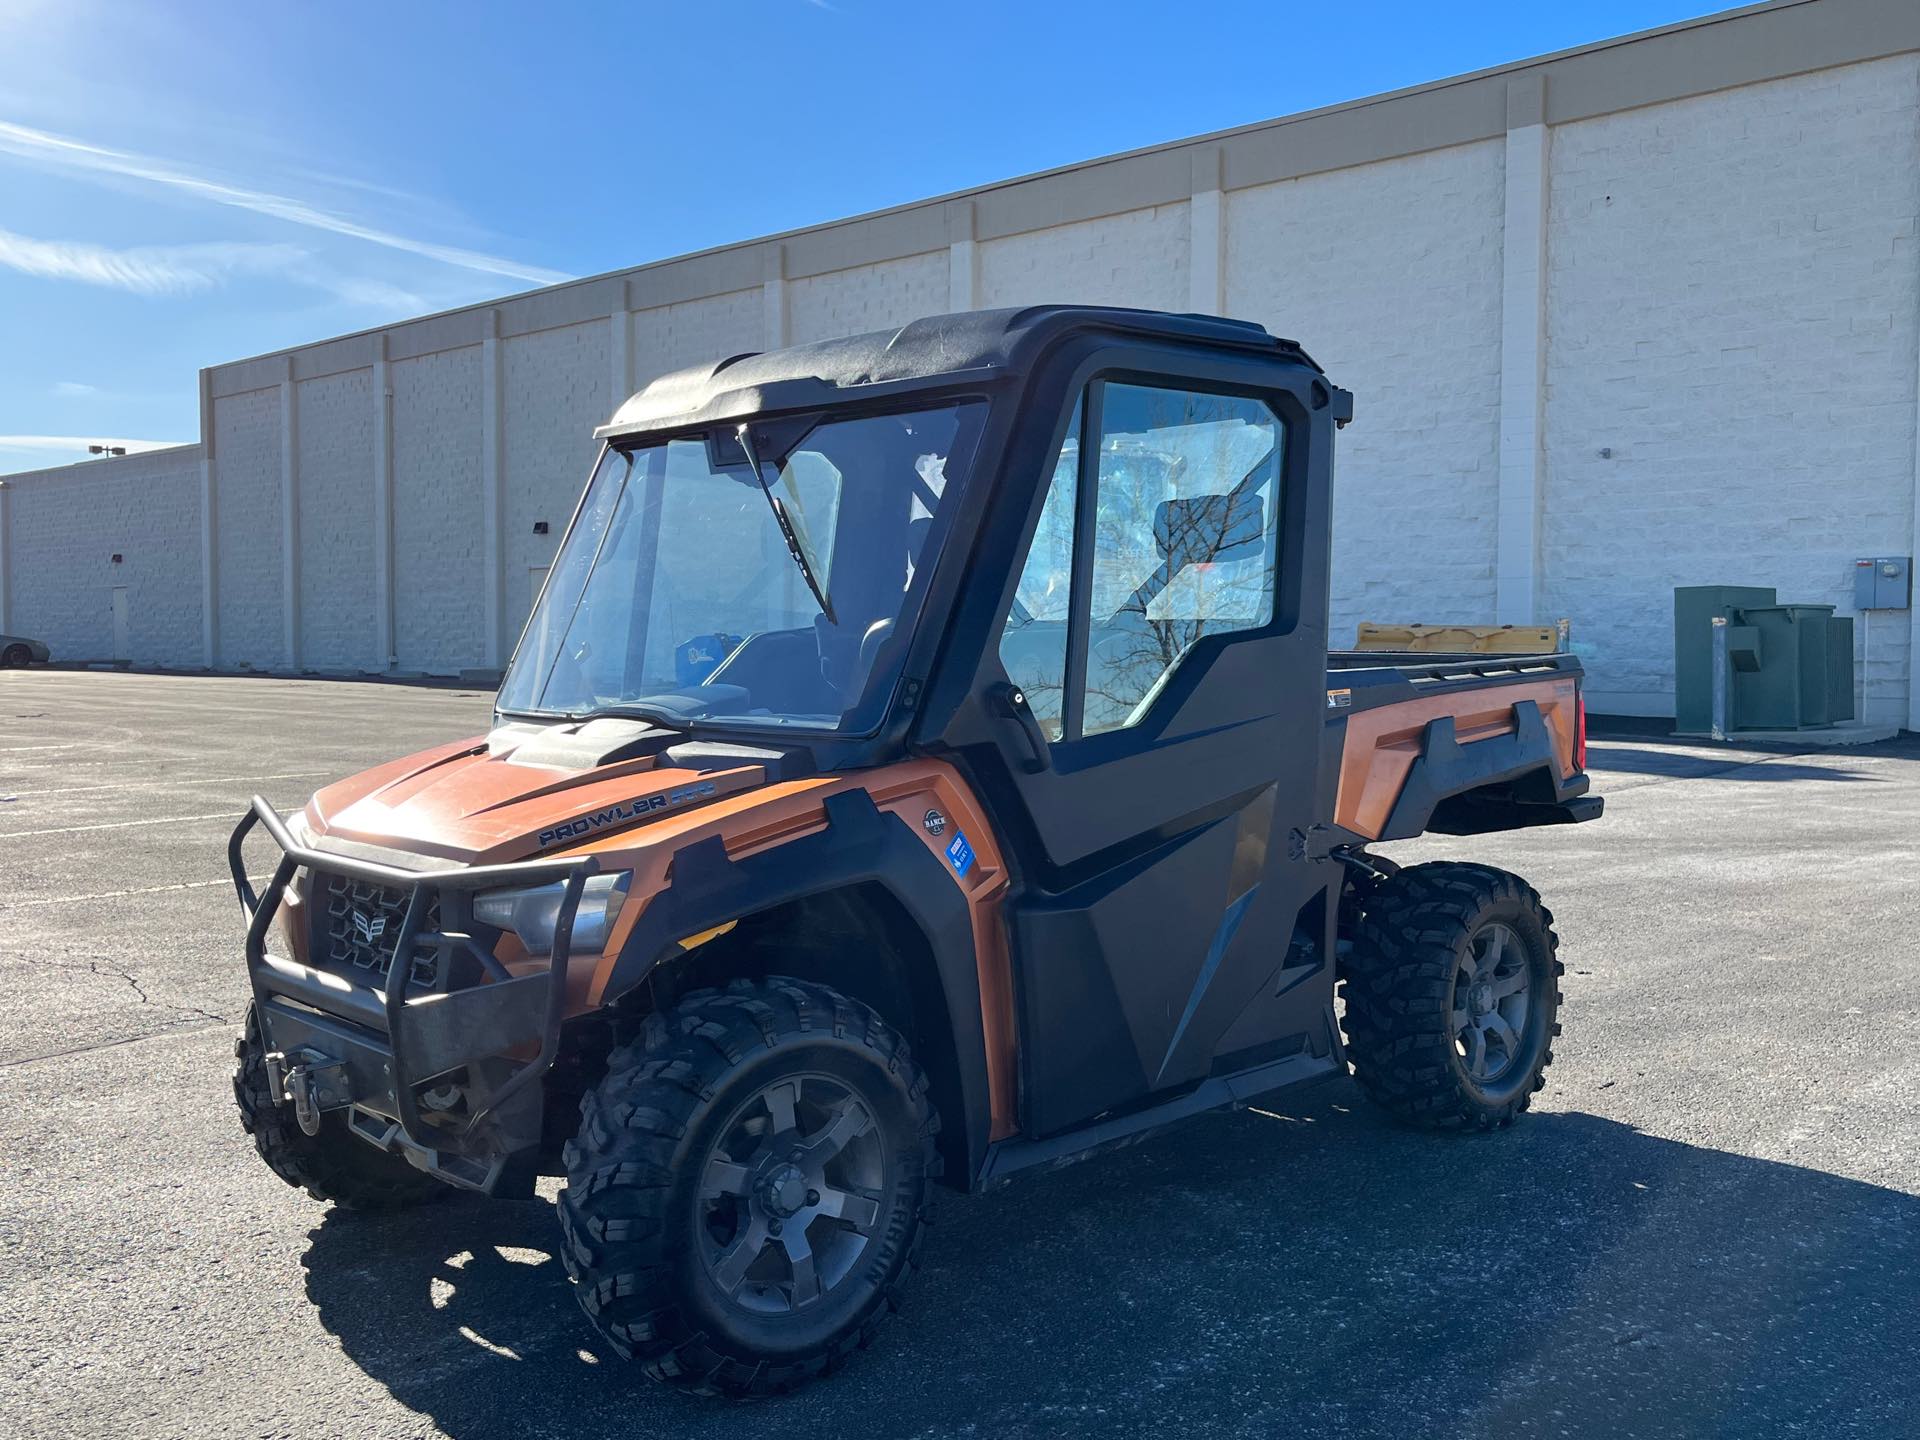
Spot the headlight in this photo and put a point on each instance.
(531, 913)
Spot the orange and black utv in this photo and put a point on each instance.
(924, 761)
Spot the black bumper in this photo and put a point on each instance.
(368, 1049)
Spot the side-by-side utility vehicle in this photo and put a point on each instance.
(924, 761)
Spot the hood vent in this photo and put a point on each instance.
(583, 746)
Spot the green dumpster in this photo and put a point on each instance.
(1695, 608)
(1791, 687)
(1789, 667)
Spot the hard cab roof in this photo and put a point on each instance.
(989, 344)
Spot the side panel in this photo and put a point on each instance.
(1154, 974)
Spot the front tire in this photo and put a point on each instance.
(747, 1192)
(333, 1165)
(16, 657)
(1453, 996)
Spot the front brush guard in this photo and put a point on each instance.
(375, 1045)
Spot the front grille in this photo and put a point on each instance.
(362, 926)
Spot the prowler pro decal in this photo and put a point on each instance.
(625, 813)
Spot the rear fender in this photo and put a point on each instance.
(1517, 775)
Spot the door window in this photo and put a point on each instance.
(1033, 647)
(1185, 518)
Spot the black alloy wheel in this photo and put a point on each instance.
(790, 1198)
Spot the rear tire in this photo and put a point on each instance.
(16, 657)
(334, 1165)
(746, 1195)
(1452, 996)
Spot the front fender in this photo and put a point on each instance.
(860, 844)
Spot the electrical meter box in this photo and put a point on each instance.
(1885, 583)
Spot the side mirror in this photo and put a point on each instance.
(1200, 529)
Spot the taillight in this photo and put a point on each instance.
(1580, 734)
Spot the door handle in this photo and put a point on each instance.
(1010, 701)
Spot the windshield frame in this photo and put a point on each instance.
(960, 500)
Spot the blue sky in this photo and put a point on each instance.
(189, 182)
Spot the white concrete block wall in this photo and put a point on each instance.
(872, 297)
(439, 621)
(252, 594)
(672, 337)
(335, 470)
(68, 523)
(1139, 258)
(555, 387)
(1694, 250)
(1732, 297)
(1390, 274)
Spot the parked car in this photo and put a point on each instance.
(17, 652)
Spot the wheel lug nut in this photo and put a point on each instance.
(813, 1197)
(773, 1227)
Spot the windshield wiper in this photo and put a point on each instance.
(632, 710)
(794, 547)
(599, 712)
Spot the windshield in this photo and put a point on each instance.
(676, 593)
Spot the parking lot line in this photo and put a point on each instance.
(150, 784)
(118, 894)
(116, 825)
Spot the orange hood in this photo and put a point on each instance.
(474, 804)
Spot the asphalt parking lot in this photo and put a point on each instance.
(1709, 1226)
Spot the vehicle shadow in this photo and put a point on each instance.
(1315, 1269)
(1679, 765)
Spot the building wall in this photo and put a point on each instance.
(439, 624)
(1139, 258)
(672, 337)
(873, 297)
(64, 527)
(1628, 317)
(252, 593)
(557, 388)
(1408, 318)
(1733, 291)
(335, 495)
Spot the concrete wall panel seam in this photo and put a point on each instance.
(290, 517)
(6, 566)
(382, 516)
(492, 494)
(1523, 348)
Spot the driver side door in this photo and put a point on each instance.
(1159, 683)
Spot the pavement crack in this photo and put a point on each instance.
(105, 970)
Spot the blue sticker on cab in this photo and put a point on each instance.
(960, 853)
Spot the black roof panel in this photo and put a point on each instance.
(982, 342)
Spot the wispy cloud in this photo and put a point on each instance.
(187, 269)
(77, 444)
(66, 153)
(145, 269)
(374, 294)
(74, 389)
